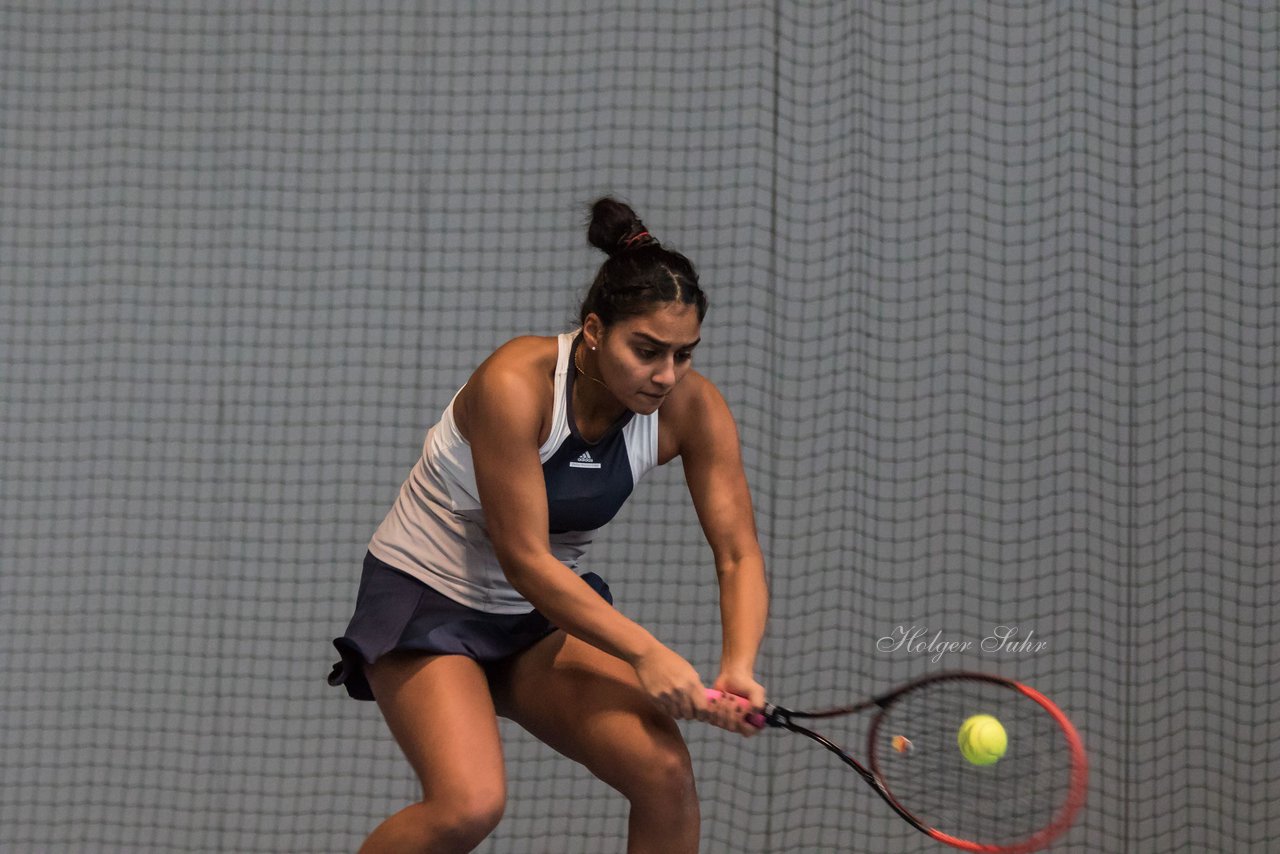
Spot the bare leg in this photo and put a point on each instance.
(442, 716)
(589, 706)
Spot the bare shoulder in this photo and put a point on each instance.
(525, 354)
(694, 416)
(514, 380)
(693, 394)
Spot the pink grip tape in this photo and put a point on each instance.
(754, 718)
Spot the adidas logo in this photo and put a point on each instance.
(584, 462)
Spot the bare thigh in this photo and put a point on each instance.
(441, 713)
(589, 706)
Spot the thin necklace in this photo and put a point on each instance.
(577, 363)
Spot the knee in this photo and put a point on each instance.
(665, 774)
(467, 817)
(454, 820)
(672, 770)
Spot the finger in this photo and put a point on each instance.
(699, 700)
(700, 706)
(727, 711)
(745, 719)
(683, 709)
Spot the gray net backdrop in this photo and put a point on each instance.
(993, 297)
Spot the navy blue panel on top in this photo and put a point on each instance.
(587, 484)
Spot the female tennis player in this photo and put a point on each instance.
(472, 605)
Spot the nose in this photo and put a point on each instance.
(665, 375)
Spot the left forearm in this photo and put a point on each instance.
(744, 608)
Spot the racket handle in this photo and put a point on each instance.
(754, 718)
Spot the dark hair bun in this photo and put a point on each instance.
(615, 228)
(639, 274)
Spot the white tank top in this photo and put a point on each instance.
(436, 531)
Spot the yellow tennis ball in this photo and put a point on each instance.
(982, 739)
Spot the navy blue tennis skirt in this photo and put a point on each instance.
(395, 611)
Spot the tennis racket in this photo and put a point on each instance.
(1018, 803)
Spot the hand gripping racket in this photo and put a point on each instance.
(1019, 802)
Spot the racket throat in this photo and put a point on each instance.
(777, 716)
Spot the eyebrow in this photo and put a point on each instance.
(658, 342)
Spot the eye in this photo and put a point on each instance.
(684, 355)
(645, 353)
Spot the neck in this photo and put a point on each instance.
(594, 405)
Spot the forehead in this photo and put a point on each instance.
(671, 323)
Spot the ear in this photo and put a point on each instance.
(592, 331)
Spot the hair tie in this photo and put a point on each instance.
(643, 238)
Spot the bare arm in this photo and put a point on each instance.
(712, 457)
(504, 417)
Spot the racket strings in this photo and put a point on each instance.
(915, 750)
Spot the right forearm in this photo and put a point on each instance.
(572, 605)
